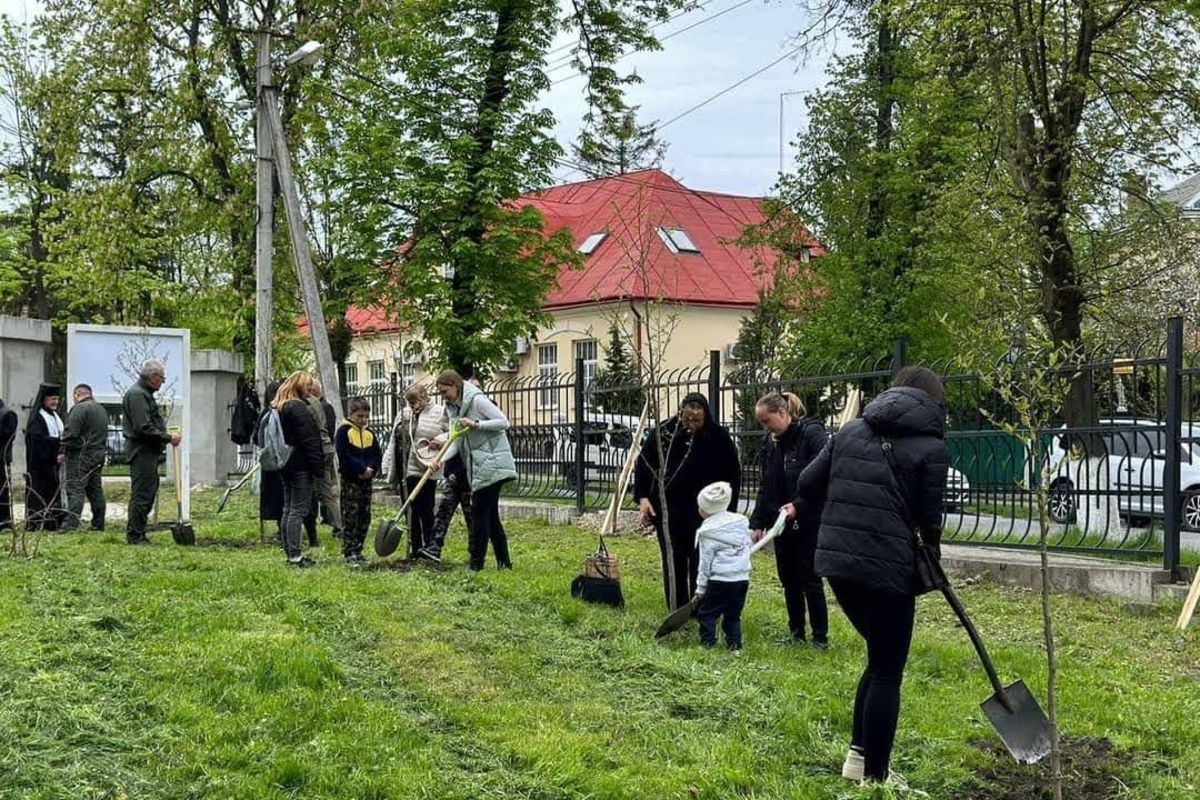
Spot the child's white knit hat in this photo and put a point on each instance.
(715, 497)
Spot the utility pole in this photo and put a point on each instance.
(264, 221)
(298, 233)
(781, 133)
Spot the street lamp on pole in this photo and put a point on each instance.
(273, 159)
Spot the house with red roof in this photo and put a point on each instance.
(644, 236)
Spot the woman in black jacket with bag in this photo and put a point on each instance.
(307, 460)
(795, 439)
(881, 480)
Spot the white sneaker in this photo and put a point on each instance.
(853, 766)
(896, 781)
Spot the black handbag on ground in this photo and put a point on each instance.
(927, 576)
(601, 579)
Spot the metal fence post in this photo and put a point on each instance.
(899, 354)
(1172, 497)
(714, 384)
(393, 390)
(580, 388)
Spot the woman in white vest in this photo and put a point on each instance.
(488, 459)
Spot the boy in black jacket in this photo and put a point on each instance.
(359, 459)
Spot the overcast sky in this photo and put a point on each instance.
(731, 144)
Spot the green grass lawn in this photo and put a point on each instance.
(217, 672)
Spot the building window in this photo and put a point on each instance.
(548, 375)
(408, 375)
(589, 352)
(351, 380)
(677, 241)
(377, 377)
(591, 243)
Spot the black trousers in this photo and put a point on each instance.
(685, 557)
(456, 491)
(420, 513)
(43, 501)
(794, 555)
(143, 488)
(485, 511)
(298, 499)
(5, 496)
(885, 621)
(724, 600)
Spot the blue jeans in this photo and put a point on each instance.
(725, 600)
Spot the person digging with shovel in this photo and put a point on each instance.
(865, 544)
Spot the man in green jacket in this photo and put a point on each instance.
(84, 442)
(147, 438)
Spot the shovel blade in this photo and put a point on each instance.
(675, 620)
(387, 538)
(1022, 725)
(183, 534)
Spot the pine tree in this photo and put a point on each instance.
(618, 145)
(617, 389)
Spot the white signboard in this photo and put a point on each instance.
(109, 358)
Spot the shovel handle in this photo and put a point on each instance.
(455, 434)
(976, 640)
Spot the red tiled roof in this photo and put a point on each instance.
(362, 321)
(634, 263)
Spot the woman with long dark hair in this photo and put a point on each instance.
(794, 440)
(881, 480)
(488, 459)
(696, 452)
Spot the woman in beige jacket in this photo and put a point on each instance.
(417, 435)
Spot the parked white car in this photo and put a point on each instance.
(958, 490)
(1136, 457)
(606, 442)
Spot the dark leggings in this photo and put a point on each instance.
(685, 558)
(794, 554)
(420, 513)
(885, 621)
(485, 513)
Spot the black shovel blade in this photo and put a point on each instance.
(183, 534)
(387, 538)
(1021, 724)
(676, 620)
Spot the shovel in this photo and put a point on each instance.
(1013, 710)
(680, 616)
(391, 531)
(181, 531)
(229, 492)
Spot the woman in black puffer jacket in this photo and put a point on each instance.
(865, 547)
(307, 460)
(795, 439)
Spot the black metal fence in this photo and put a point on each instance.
(1111, 488)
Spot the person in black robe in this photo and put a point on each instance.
(44, 460)
(8, 435)
(697, 451)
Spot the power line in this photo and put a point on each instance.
(671, 35)
(731, 87)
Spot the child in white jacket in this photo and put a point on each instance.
(724, 574)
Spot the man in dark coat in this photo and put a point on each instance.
(147, 438)
(696, 452)
(85, 444)
(44, 460)
(8, 435)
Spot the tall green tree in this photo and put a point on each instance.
(618, 144)
(618, 388)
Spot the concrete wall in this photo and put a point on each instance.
(23, 344)
(214, 387)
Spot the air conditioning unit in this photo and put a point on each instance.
(521, 345)
(510, 366)
(733, 352)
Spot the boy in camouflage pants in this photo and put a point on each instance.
(456, 491)
(359, 460)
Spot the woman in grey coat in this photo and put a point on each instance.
(488, 459)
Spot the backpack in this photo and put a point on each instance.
(275, 451)
(245, 413)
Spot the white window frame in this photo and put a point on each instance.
(593, 242)
(547, 366)
(376, 385)
(351, 378)
(677, 240)
(589, 351)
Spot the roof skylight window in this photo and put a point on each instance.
(677, 241)
(592, 242)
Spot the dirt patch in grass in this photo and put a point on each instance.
(1092, 770)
